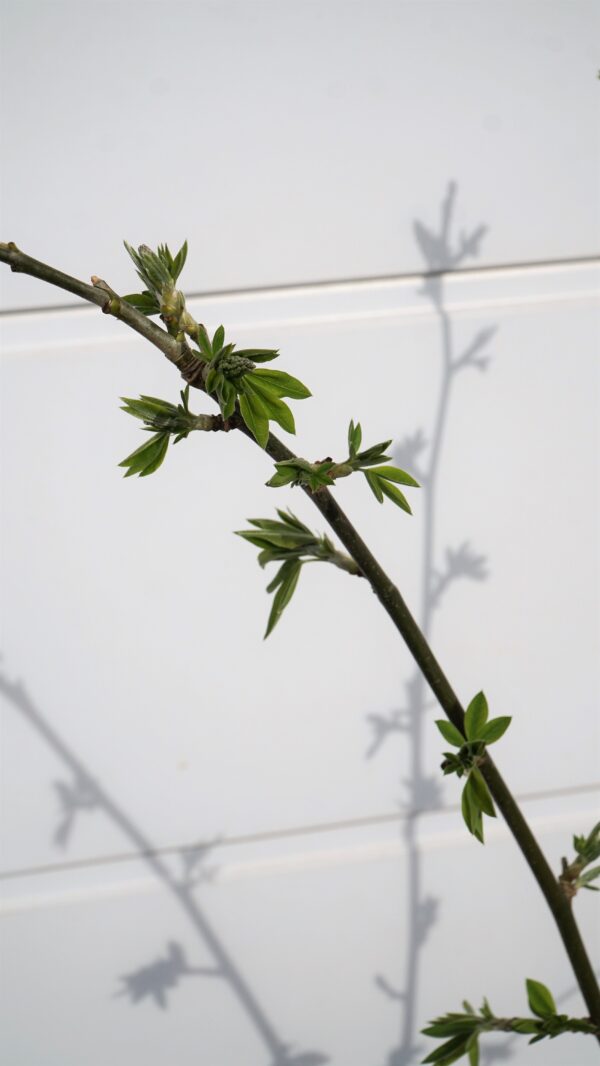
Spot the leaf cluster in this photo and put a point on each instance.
(382, 480)
(293, 544)
(587, 850)
(464, 1029)
(232, 377)
(166, 420)
(157, 271)
(479, 732)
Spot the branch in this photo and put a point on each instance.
(386, 591)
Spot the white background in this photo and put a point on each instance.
(142, 714)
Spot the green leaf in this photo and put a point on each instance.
(526, 1026)
(476, 716)
(148, 457)
(273, 407)
(284, 384)
(481, 790)
(282, 477)
(144, 302)
(255, 418)
(495, 729)
(227, 398)
(393, 494)
(471, 811)
(214, 380)
(540, 999)
(179, 261)
(590, 875)
(448, 1053)
(473, 1049)
(374, 485)
(284, 593)
(354, 438)
(204, 342)
(450, 732)
(217, 341)
(259, 355)
(394, 473)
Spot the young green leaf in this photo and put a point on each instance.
(476, 716)
(450, 732)
(282, 477)
(584, 881)
(494, 729)
(482, 792)
(204, 342)
(473, 1049)
(354, 438)
(393, 494)
(285, 591)
(447, 1053)
(179, 261)
(284, 384)
(217, 341)
(259, 355)
(540, 999)
(374, 485)
(471, 811)
(148, 457)
(273, 407)
(253, 413)
(394, 473)
(144, 302)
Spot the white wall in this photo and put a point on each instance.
(141, 712)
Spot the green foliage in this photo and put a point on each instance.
(231, 376)
(461, 1031)
(382, 479)
(574, 874)
(479, 732)
(293, 544)
(166, 420)
(148, 457)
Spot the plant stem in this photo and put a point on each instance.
(385, 590)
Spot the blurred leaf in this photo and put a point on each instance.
(540, 999)
(494, 729)
(447, 1053)
(476, 716)
(393, 473)
(450, 732)
(481, 790)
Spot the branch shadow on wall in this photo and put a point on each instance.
(420, 452)
(156, 981)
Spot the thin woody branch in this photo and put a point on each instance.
(386, 591)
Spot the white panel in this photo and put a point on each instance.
(294, 141)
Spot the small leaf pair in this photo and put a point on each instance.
(382, 479)
(293, 544)
(478, 733)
